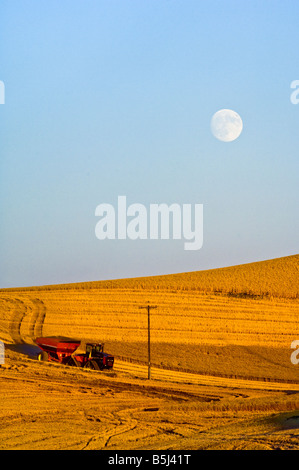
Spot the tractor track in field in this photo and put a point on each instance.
(156, 388)
(37, 318)
(200, 379)
(24, 320)
(19, 312)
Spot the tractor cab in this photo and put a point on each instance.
(94, 349)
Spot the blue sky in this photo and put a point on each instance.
(109, 98)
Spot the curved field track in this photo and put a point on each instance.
(21, 319)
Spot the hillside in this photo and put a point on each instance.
(277, 278)
(235, 321)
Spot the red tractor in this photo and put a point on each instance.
(68, 351)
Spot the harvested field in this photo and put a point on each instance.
(221, 370)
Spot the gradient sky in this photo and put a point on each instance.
(109, 98)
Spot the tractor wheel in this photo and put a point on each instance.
(43, 356)
(73, 362)
(92, 365)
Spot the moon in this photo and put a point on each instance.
(226, 125)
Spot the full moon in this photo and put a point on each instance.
(226, 125)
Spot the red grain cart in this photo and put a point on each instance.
(72, 352)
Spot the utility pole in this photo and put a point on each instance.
(148, 308)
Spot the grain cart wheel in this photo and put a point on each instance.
(43, 356)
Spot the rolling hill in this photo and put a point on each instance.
(238, 320)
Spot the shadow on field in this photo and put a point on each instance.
(28, 350)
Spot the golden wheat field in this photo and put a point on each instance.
(221, 378)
